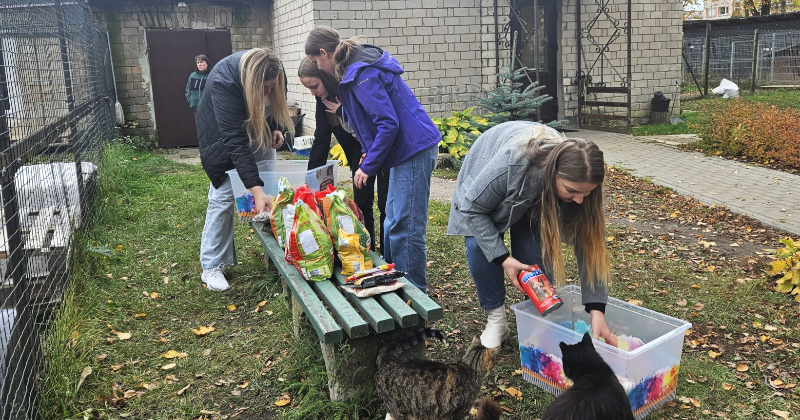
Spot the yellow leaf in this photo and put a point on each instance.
(695, 286)
(244, 385)
(151, 386)
(777, 267)
(514, 392)
(122, 335)
(609, 239)
(283, 400)
(694, 402)
(169, 366)
(162, 339)
(203, 330)
(260, 305)
(154, 295)
(636, 302)
(117, 367)
(173, 354)
(742, 368)
(142, 315)
(728, 387)
(757, 324)
(231, 307)
(516, 372)
(713, 354)
(781, 414)
(777, 383)
(119, 248)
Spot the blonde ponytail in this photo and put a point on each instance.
(257, 66)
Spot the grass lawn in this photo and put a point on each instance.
(149, 216)
(695, 111)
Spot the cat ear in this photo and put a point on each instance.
(587, 338)
(563, 347)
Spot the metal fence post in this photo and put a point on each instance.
(706, 58)
(772, 61)
(754, 71)
(733, 54)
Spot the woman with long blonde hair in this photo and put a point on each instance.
(396, 135)
(240, 120)
(527, 178)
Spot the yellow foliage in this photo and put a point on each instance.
(787, 266)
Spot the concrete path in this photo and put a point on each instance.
(773, 197)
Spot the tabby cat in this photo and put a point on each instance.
(596, 393)
(416, 389)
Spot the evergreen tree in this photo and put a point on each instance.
(509, 102)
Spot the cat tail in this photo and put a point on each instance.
(396, 348)
(488, 409)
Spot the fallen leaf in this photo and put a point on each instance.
(213, 413)
(101, 356)
(757, 324)
(117, 366)
(260, 305)
(184, 389)
(169, 366)
(764, 338)
(122, 335)
(231, 307)
(206, 352)
(728, 387)
(516, 372)
(781, 414)
(162, 339)
(243, 385)
(734, 244)
(698, 307)
(742, 368)
(86, 372)
(695, 286)
(173, 354)
(777, 383)
(149, 386)
(284, 399)
(119, 248)
(770, 328)
(203, 330)
(142, 315)
(154, 295)
(166, 280)
(236, 392)
(681, 302)
(636, 302)
(713, 354)
(269, 312)
(514, 392)
(694, 402)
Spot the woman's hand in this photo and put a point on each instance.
(600, 329)
(277, 139)
(332, 106)
(512, 268)
(360, 178)
(263, 201)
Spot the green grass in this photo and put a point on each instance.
(154, 209)
(690, 117)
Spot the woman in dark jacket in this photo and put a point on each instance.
(395, 133)
(238, 123)
(325, 89)
(197, 82)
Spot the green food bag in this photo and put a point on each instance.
(310, 244)
(284, 199)
(351, 238)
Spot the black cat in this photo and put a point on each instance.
(596, 393)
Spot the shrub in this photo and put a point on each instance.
(787, 265)
(459, 131)
(761, 132)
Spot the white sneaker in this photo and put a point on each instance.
(496, 330)
(214, 279)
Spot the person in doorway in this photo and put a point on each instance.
(325, 89)
(545, 189)
(396, 135)
(197, 82)
(240, 121)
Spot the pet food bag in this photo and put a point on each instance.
(307, 196)
(310, 246)
(351, 238)
(279, 219)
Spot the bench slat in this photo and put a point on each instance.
(328, 330)
(391, 303)
(372, 311)
(347, 317)
(420, 302)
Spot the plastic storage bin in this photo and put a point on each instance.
(649, 373)
(271, 171)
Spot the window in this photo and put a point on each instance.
(724, 11)
(712, 12)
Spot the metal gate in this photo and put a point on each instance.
(171, 54)
(604, 65)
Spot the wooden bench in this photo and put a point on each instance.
(351, 330)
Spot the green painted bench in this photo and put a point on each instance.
(346, 323)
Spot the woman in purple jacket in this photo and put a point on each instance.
(395, 134)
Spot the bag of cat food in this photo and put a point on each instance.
(310, 246)
(278, 220)
(307, 196)
(288, 222)
(351, 238)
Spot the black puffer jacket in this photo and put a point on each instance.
(224, 144)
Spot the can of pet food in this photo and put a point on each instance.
(539, 290)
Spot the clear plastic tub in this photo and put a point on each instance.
(270, 171)
(649, 373)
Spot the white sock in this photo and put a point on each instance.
(496, 328)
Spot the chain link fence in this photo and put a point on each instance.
(56, 110)
(731, 57)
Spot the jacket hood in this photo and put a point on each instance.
(372, 56)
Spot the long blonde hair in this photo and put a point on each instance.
(574, 160)
(328, 39)
(257, 66)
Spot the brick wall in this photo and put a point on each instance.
(126, 21)
(656, 42)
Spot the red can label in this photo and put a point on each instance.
(539, 290)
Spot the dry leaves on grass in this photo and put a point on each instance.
(120, 335)
(169, 366)
(514, 392)
(173, 354)
(283, 400)
(231, 307)
(203, 330)
(781, 414)
(260, 305)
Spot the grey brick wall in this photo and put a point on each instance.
(292, 20)
(127, 20)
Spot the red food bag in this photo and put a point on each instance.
(304, 193)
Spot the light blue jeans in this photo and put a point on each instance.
(216, 245)
(407, 216)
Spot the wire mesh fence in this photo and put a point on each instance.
(56, 100)
(731, 57)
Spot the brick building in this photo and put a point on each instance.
(448, 48)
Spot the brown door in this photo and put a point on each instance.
(171, 54)
(548, 50)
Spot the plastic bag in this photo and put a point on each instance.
(277, 219)
(310, 246)
(727, 89)
(372, 291)
(351, 238)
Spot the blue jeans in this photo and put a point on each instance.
(490, 278)
(216, 245)
(407, 216)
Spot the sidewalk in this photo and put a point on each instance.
(770, 196)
